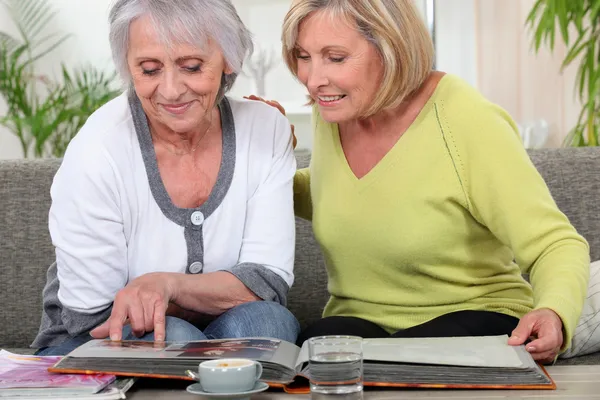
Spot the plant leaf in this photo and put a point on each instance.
(563, 20)
(577, 48)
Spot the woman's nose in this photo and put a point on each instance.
(172, 86)
(316, 77)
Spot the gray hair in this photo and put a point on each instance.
(194, 22)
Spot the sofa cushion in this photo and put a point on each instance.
(309, 292)
(25, 247)
(588, 359)
(586, 338)
(573, 176)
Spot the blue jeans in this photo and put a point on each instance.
(254, 319)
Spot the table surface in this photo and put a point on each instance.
(575, 382)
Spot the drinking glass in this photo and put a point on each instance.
(335, 364)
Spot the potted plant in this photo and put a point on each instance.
(44, 113)
(578, 23)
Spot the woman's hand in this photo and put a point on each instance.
(143, 302)
(544, 326)
(278, 106)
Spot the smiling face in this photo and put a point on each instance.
(177, 85)
(341, 69)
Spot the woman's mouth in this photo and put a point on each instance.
(176, 109)
(330, 100)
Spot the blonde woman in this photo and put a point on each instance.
(421, 195)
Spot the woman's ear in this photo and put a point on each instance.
(227, 70)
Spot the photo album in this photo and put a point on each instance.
(456, 362)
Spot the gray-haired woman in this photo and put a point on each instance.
(172, 212)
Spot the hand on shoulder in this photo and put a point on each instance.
(278, 106)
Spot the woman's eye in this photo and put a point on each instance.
(337, 59)
(193, 68)
(301, 55)
(149, 71)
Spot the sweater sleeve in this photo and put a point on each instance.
(86, 226)
(505, 193)
(302, 199)
(266, 260)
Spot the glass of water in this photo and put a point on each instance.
(335, 364)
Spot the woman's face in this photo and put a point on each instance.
(340, 68)
(177, 86)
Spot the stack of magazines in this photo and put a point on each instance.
(27, 377)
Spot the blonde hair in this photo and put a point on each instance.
(394, 27)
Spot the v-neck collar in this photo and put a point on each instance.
(390, 158)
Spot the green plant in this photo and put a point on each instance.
(44, 113)
(578, 22)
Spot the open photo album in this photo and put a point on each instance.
(457, 362)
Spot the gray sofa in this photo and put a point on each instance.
(573, 176)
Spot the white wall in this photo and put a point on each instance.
(9, 145)
(265, 18)
(530, 86)
(89, 44)
(455, 38)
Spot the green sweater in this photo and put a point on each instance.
(448, 220)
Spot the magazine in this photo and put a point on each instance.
(26, 376)
(457, 362)
(114, 391)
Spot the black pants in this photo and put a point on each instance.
(460, 323)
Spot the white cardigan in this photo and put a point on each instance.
(111, 219)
